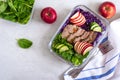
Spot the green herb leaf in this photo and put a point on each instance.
(16, 10)
(10, 3)
(3, 6)
(24, 43)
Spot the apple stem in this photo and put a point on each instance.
(107, 8)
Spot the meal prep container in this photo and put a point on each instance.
(103, 22)
(12, 10)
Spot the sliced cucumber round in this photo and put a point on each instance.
(93, 25)
(59, 46)
(97, 29)
(64, 48)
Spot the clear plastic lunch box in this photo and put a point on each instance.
(95, 44)
(16, 22)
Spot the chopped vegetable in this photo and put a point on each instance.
(95, 27)
(24, 43)
(16, 10)
(3, 6)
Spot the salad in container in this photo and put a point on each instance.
(18, 11)
(78, 37)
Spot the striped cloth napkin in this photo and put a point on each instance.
(103, 66)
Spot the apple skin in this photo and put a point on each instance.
(107, 9)
(78, 19)
(82, 47)
(48, 15)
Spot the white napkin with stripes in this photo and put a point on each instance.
(103, 67)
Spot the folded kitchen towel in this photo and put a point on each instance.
(105, 66)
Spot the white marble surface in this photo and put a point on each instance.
(37, 63)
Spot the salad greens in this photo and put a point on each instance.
(66, 50)
(16, 10)
(24, 43)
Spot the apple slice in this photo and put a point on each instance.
(79, 18)
(83, 44)
(87, 49)
(82, 47)
(79, 48)
(81, 23)
(76, 15)
(76, 45)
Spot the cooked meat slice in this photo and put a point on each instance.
(65, 33)
(86, 38)
(79, 32)
(85, 35)
(71, 38)
(77, 39)
(93, 36)
(71, 28)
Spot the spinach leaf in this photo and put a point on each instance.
(16, 10)
(10, 3)
(3, 6)
(24, 43)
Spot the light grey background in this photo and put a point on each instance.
(37, 63)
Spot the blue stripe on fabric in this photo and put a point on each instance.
(112, 58)
(93, 68)
(105, 39)
(98, 76)
(102, 66)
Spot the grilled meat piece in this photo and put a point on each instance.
(65, 33)
(92, 37)
(79, 32)
(75, 34)
(69, 29)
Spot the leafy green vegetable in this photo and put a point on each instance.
(75, 61)
(11, 5)
(24, 43)
(16, 10)
(66, 50)
(3, 6)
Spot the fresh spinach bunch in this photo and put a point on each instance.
(16, 10)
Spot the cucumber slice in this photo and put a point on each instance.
(97, 29)
(59, 46)
(93, 25)
(56, 45)
(64, 48)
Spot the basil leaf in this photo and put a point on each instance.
(24, 43)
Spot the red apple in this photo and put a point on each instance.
(49, 15)
(107, 9)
